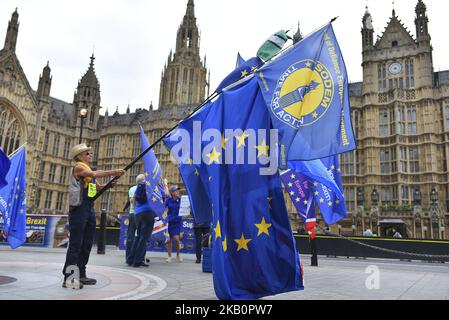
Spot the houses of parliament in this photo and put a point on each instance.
(400, 114)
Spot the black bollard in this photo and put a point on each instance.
(101, 243)
(314, 259)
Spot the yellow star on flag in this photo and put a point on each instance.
(241, 140)
(317, 193)
(305, 202)
(244, 73)
(254, 69)
(217, 231)
(225, 245)
(263, 227)
(262, 149)
(164, 216)
(290, 184)
(329, 203)
(315, 184)
(292, 193)
(197, 173)
(332, 167)
(293, 176)
(243, 243)
(298, 200)
(190, 161)
(321, 200)
(214, 156)
(223, 143)
(315, 115)
(154, 199)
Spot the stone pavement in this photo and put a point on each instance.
(38, 277)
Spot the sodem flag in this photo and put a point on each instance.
(306, 91)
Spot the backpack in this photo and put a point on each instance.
(141, 194)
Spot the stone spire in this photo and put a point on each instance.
(183, 79)
(422, 22)
(87, 96)
(297, 36)
(44, 86)
(367, 31)
(12, 33)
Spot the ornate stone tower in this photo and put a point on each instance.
(367, 31)
(12, 33)
(183, 80)
(87, 96)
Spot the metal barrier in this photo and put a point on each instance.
(385, 248)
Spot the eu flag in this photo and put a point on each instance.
(299, 188)
(306, 91)
(243, 70)
(13, 200)
(5, 163)
(254, 252)
(189, 169)
(324, 181)
(153, 173)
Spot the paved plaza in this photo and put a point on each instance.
(35, 274)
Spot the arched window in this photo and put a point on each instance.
(11, 134)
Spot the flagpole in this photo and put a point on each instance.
(210, 98)
(17, 150)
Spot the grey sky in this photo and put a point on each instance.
(132, 38)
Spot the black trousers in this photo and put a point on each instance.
(82, 224)
(130, 237)
(144, 225)
(199, 232)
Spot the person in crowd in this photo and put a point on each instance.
(200, 230)
(131, 233)
(173, 203)
(368, 233)
(82, 221)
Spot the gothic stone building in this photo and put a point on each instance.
(401, 120)
(51, 126)
(400, 114)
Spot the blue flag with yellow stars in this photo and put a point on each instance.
(254, 252)
(153, 174)
(324, 181)
(299, 189)
(243, 70)
(307, 95)
(13, 200)
(5, 163)
(189, 169)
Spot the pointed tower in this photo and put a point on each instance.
(12, 33)
(422, 22)
(87, 96)
(44, 86)
(183, 79)
(367, 31)
(297, 36)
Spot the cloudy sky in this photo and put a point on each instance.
(131, 39)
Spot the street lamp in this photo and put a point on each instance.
(83, 115)
(417, 197)
(433, 196)
(374, 197)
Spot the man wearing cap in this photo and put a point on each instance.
(174, 222)
(82, 222)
